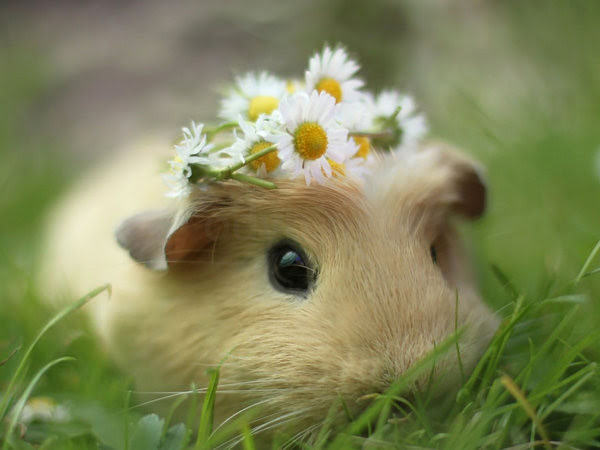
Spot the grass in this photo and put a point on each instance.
(528, 389)
(537, 384)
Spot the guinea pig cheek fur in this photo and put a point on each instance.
(379, 305)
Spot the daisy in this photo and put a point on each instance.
(293, 85)
(43, 409)
(412, 126)
(332, 71)
(356, 168)
(254, 140)
(253, 95)
(192, 149)
(356, 117)
(310, 136)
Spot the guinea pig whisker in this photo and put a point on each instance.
(241, 411)
(155, 400)
(244, 391)
(285, 418)
(218, 391)
(278, 421)
(203, 391)
(227, 385)
(213, 365)
(269, 424)
(301, 435)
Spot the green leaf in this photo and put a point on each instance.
(107, 426)
(175, 438)
(146, 433)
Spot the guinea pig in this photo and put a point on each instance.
(302, 294)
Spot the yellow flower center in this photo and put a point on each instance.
(310, 140)
(364, 146)
(290, 86)
(176, 159)
(336, 168)
(332, 87)
(262, 104)
(270, 160)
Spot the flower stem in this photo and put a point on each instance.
(224, 126)
(220, 146)
(229, 170)
(253, 180)
(199, 171)
(386, 134)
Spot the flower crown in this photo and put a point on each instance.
(321, 127)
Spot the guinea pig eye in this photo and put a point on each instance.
(289, 269)
(433, 253)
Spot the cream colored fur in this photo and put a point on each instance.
(379, 305)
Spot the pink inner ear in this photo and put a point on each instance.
(191, 240)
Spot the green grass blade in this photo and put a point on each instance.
(586, 373)
(487, 365)
(592, 272)
(504, 281)
(126, 427)
(518, 394)
(172, 409)
(191, 414)
(208, 406)
(10, 356)
(325, 429)
(248, 439)
(458, 356)
(18, 409)
(57, 318)
(565, 324)
(587, 263)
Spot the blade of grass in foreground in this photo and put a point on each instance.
(18, 409)
(9, 357)
(518, 394)
(57, 318)
(248, 440)
(208, 406)
(587, 263)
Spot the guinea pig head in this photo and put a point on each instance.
(309, 293)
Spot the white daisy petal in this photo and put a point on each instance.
(310, 143)
(333, 72)
(413, 126)
(192, 149)
(257, 136)
(252, 95)
(326, 167)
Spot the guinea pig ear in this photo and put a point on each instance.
(160, 239)
(451, 181)
(469, 185)
(144, 235)
(191, 237)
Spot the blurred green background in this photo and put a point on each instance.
(516, 84)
